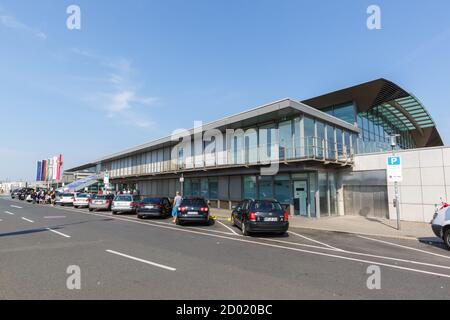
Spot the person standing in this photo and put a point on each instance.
(176, 204)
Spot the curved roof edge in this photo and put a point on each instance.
(405, 107)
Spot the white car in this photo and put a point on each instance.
(67, 199)
(441, 223)
(82, 200)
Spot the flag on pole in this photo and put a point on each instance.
(47, 171)
(55, 168)
(59, 165)
(39, 171)
(44, 169)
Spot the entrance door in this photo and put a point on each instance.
(301, 198)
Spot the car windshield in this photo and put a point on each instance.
(193, 202)
(100, 197)
(266, 206)
(67, 195)
(151, 200)
(123, 198)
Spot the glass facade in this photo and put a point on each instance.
(249, 187)
(282, 188)
(344, 112)
(377, 125)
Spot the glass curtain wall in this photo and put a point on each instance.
(285, 133)
(320, 141)
(249, 187)
(265, 187)
(282, 189)
(308, 136)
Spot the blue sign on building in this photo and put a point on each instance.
(394, 161)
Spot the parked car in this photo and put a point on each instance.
(82, 200)
(441, 223)
(193, 210)
(23, 193)
(124, 203)
(67, 199)
(154, 207)
(15, 193)
(263, 216)
(101, 202)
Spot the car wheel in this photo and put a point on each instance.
(233, 220)
(114, 212)
(91, 209)
(140, 216)
(244, 229)
(447, 238)
(179, 222)
(76, 207)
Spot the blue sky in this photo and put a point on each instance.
(139, 69)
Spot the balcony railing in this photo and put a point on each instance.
(312, 149)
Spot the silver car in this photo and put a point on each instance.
(82, 200)
(124, 203)
(101, 202)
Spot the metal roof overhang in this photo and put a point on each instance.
(395, 104)
(285, 108)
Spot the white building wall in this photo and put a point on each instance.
(426, 179)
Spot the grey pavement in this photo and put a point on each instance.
(121, 257)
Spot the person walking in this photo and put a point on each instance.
(176, 204)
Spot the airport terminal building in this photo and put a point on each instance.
(306, 154)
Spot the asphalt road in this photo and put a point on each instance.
(121, 257)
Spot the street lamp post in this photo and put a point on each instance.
(396, 192)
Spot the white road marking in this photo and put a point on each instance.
(57, 232)
(142, 260)
(242, 239)
(54, 217)
(1, 220)
(227, 227)
(312, 240)
(13, 206)
(23, 218)
(9, 213)
(405, 247)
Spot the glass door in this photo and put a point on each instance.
(301, 198)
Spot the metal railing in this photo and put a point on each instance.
(309, 148)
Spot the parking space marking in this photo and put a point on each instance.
(54, 217)
(10, 213)
(312, 240)
(234, 232)
(13, 206)
(404, 247)
(242, 239)
(57, 232)
(23, 218)
(142, 260)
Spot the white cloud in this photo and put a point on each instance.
(120, 98)
(11, 22)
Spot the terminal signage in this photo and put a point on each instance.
(394, 169)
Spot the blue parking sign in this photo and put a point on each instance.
(394, 161)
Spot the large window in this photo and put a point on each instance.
(309, 135)
(320, 126)
(282, 189)
(265, 187)
(344, 112)
(333, 193)
(285, 132)
(323, 194)
(249, 187)
(267, 141)
(213, 188)
(331, 146)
